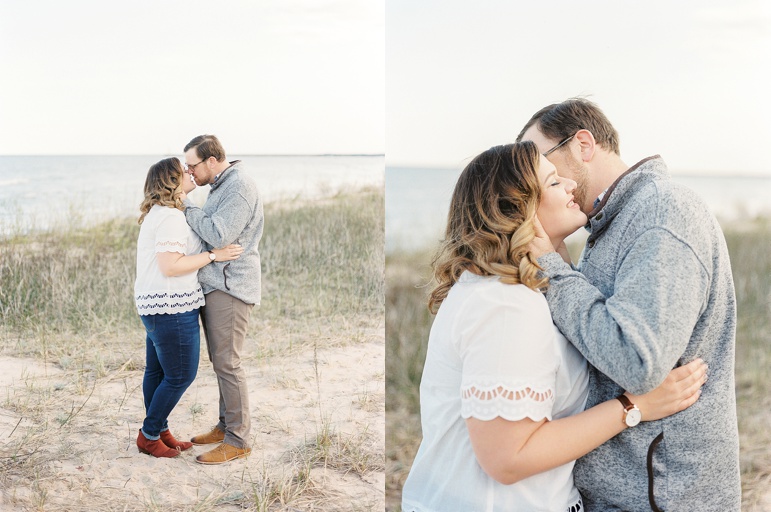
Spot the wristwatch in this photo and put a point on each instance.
(632, 414)
(212, 256)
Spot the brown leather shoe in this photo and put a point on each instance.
(155, 448)
(223, 453)
(168, 440)
(215, 436)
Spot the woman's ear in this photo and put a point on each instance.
(587, 144)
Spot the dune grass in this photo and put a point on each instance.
(323, 269)
(408, 323)
(66, 298)
(321, 261)
(751, 265)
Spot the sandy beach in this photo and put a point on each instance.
(317, 434)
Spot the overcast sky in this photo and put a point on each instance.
(144, 77)
(689, 80)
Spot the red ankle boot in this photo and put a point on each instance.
(155, 448)
(169, 441)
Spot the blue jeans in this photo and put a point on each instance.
(173, 347)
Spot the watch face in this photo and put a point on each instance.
(633, 417)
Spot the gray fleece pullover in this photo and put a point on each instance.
(232, 214)
(654, 291)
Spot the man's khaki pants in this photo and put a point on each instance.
(225, 320)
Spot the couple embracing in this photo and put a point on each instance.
(197, 263)
(554, 387)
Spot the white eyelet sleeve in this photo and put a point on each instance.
(172, 233)
(509, 355)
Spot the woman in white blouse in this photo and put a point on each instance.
(168, 297)
(502, 394)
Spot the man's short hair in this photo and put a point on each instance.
(561, 120)
(207, 146)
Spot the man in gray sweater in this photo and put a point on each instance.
(232, 214)
(653, 290)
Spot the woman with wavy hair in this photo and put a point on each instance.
(168, 297)
(502, 394)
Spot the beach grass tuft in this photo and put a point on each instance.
(748, 246)
(313, 252)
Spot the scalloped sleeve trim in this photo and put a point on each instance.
(171, 246)
(511, 401)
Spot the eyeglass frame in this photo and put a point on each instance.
(188, 167)
(559, 145)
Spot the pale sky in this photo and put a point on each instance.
(687, 79)
(144, 77)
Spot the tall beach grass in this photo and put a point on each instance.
(324, 261)
(321, 260)
(408, 323)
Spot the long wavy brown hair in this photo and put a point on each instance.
(163, 186)
(491, 221)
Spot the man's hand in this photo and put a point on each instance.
(541, 244)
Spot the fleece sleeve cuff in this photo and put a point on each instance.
(553, 264)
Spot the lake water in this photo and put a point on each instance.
(417, 200)
(40, 191)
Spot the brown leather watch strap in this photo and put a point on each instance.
(625, 402)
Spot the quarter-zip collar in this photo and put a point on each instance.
(221, 177)
(617, 195)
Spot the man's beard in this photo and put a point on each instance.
(580, 174)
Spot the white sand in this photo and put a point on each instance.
(92, 463)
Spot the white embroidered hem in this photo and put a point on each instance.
(508, 402)
(578, 506)
(159, 303)
(173, 247)
(169, 312)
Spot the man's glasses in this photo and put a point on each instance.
(188, 167)
(562, 143)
